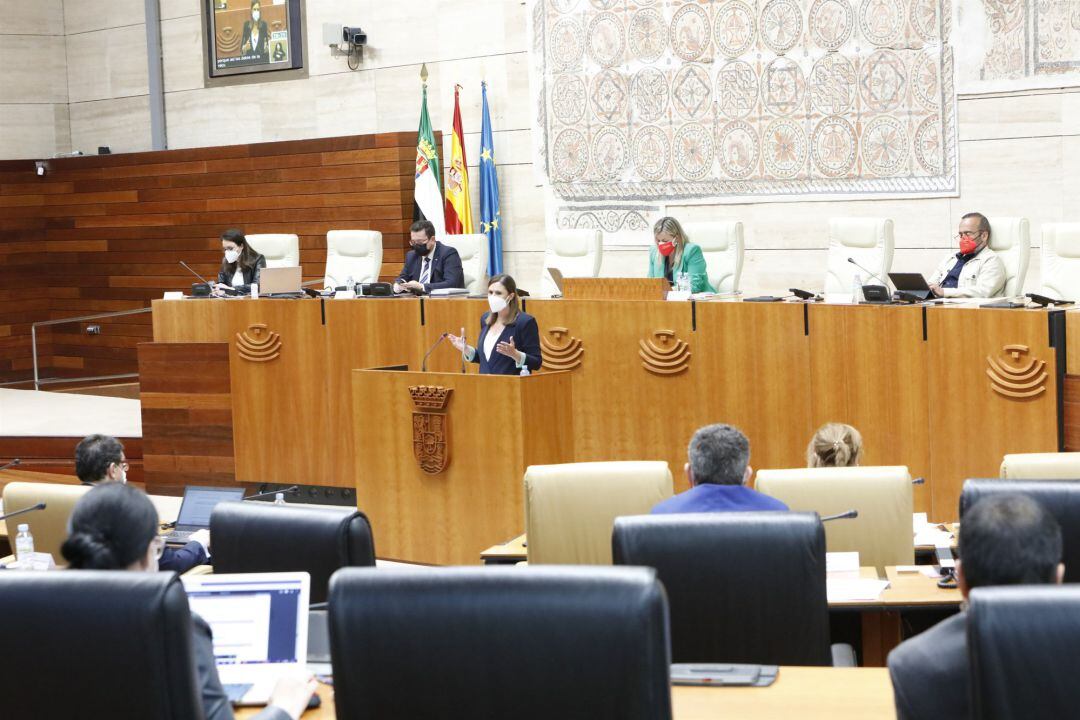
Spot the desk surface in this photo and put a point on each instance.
(799, 692)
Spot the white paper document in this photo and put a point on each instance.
(842, 564)
(849, 590)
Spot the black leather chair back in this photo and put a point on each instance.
(1022, 641)
(262, 537)
(1060, 498)
(525, 643)
(95, 643)
(742, 587)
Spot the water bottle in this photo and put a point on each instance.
(279, 498)
(856, 289)
(254, 291)
(24, 544)
(682, 282)
(350, 284)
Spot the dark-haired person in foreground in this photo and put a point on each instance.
(718, 469)
(114, 527)
(430, 265)
(1004, 540)
(100, 459)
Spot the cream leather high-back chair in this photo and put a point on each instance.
(570, 509)
(1061, 260)
(1041, 466)
(353, 253)
(869, 241)
(280, 250)
(721, 243)
(473, 250)
(882, 533)
(48, 526)
(1010, 238)
(576, 253)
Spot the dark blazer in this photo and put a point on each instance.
(214, 700)
(183, 559)
(931, 674)
(262, 46)
(446, 269)
(251, 275)
(526, 334)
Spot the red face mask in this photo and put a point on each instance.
(666, 248)
(967, 245)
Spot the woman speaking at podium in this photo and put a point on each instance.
(509, 341)
(240, 267)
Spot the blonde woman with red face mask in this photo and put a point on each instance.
(674, 256)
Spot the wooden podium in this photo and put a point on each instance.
(440, 457)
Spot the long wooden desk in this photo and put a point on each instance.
(806, 693)
(644, 376)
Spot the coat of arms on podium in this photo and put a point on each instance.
(431, 429)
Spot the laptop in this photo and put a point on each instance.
(913, 284)
(280, 281)
(260, 627)
(195, 510)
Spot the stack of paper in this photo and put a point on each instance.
(846, 590)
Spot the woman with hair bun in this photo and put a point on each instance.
(115, 527)
(834, 445)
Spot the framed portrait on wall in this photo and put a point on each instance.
(253, 36)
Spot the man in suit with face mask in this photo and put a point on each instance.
(430, 265)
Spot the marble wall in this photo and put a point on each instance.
(1018, 151)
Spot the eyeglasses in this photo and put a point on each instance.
(122, 465)
(970, 234)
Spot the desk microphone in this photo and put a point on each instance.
(294, 490)
(918, 481)
(11, 464)
(423, 365)
(867, 271)
(196, 288)
(850, 514)
(32, 508)
(803, 294)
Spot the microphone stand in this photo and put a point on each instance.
(14, 463)
(423, 365)
(32, 508)
(850, 514)
(294, 490)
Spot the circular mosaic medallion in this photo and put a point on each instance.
(782, 86)
(784, 149)
(610, 154)
(831, 23)
(648, 35)
(925, 20)
(781, 25)
(569, 155)
(568, 99)
(883, 82)
(929, 149)
(691, 91)
(924, 81)
(649, 94)
(605, 40)
(736, 89)
(881, 21)
(735, 28)
(690, 31)
(567, 45)
(832, 84)
(834, 147)
(650, 153)
(563, 6)
(885, 147)
(738, 150)
(692, 151)
(609, 96)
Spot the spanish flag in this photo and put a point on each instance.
(458, 204)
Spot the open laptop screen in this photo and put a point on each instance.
(256, 618)
(199, 502)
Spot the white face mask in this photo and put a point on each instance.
(256, 15)
(232, 256)
(497, 303)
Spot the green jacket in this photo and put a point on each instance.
(693, 262)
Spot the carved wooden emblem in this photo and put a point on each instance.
(1017, 381)
(667, 355)
(258, 344)
(560, 354)
(431, 428)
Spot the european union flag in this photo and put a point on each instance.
(490, 220)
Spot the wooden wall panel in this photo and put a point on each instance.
(105, 233)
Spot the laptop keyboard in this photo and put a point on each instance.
(179, 536)
(236, 691)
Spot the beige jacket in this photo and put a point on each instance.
(982, 276)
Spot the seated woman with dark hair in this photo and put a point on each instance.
(115, 527)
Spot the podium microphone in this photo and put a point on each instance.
(196, 288)
(32, 508)
(918, 481)
(14, 463)
(423, 365)
(867, 271)
(850, 514)
(294, 490)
